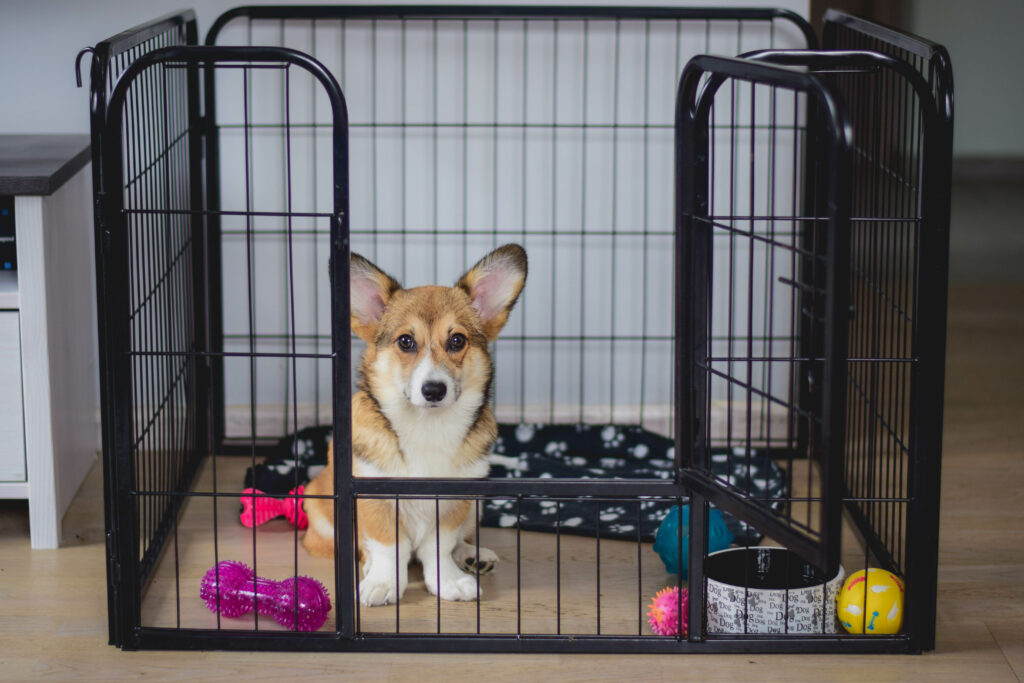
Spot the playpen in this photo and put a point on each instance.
(738, 244)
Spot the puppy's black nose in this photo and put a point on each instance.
(434, 391)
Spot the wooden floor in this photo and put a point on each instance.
(53, 603)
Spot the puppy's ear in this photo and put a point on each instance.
(494, 284)
(370, 289)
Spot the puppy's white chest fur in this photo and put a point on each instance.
(430, 439)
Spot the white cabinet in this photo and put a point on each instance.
(12, 416)
(49, 414)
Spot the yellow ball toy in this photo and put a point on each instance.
(883, 607)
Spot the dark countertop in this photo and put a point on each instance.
(39, 164)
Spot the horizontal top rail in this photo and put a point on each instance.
(494, 12)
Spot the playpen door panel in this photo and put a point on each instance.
(761, 236)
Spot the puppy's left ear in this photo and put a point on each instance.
(494, 284)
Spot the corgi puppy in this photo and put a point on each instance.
(422, 409)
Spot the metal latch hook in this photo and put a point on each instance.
(78, 63)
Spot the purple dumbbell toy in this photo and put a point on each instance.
(239, 590)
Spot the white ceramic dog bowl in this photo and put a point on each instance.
(768, 590)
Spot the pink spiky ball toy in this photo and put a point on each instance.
(663, 614)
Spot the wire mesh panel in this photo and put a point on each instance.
(166, 443)
(896, 134)
(764, 275)
(154, 252)
(472, 127)
(903, 122)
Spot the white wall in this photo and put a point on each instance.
(570, 184)
(40, 38)
(983, 38)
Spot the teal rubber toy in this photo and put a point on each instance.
(667, 539)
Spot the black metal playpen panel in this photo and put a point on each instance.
(771, 314)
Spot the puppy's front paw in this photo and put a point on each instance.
(462, 588)
(466, 556)
(375, 591)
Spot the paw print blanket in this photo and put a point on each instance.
(611, 452)
(561, 451)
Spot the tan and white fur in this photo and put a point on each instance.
(422, 410)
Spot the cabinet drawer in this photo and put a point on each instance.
(12, 421)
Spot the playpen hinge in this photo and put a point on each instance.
(115, 566)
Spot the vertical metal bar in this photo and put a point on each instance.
(291, 307)
(519, 565)
(375, 133)
(437, 557)
(639, 574)
(646, 224)
(169, 313)
(213, 266)
(249, 243)
(465, 139)
(115, 293)
(935, 139)
(494, 142)
(476, 566)
(751, 248)
(405, 159)
(437, 167)
(288, 282)
(597, 563)
(315, 238)
(615, 224)
(558, 567)
(523, 180)
(583, 217)
(554, 223)
(697, 581)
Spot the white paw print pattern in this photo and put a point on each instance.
(302, 448)
(283, 466)
(548, 507)
(611, 514)
(612, 436)
(640, 451)
(556, 448)
(525, 432)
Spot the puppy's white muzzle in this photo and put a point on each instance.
(431, 386)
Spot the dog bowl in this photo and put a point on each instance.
(768, 590)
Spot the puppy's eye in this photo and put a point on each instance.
(406, 343)
(456, 342)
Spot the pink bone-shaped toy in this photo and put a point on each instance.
(297, 602)
(258, 508)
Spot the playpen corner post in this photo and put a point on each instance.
(214, 287)
(692, 281)
(928, 383)
(197, 231)
(692, 267)
(839, 164)
(113, 246)
(346, 558)
(97, 119)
